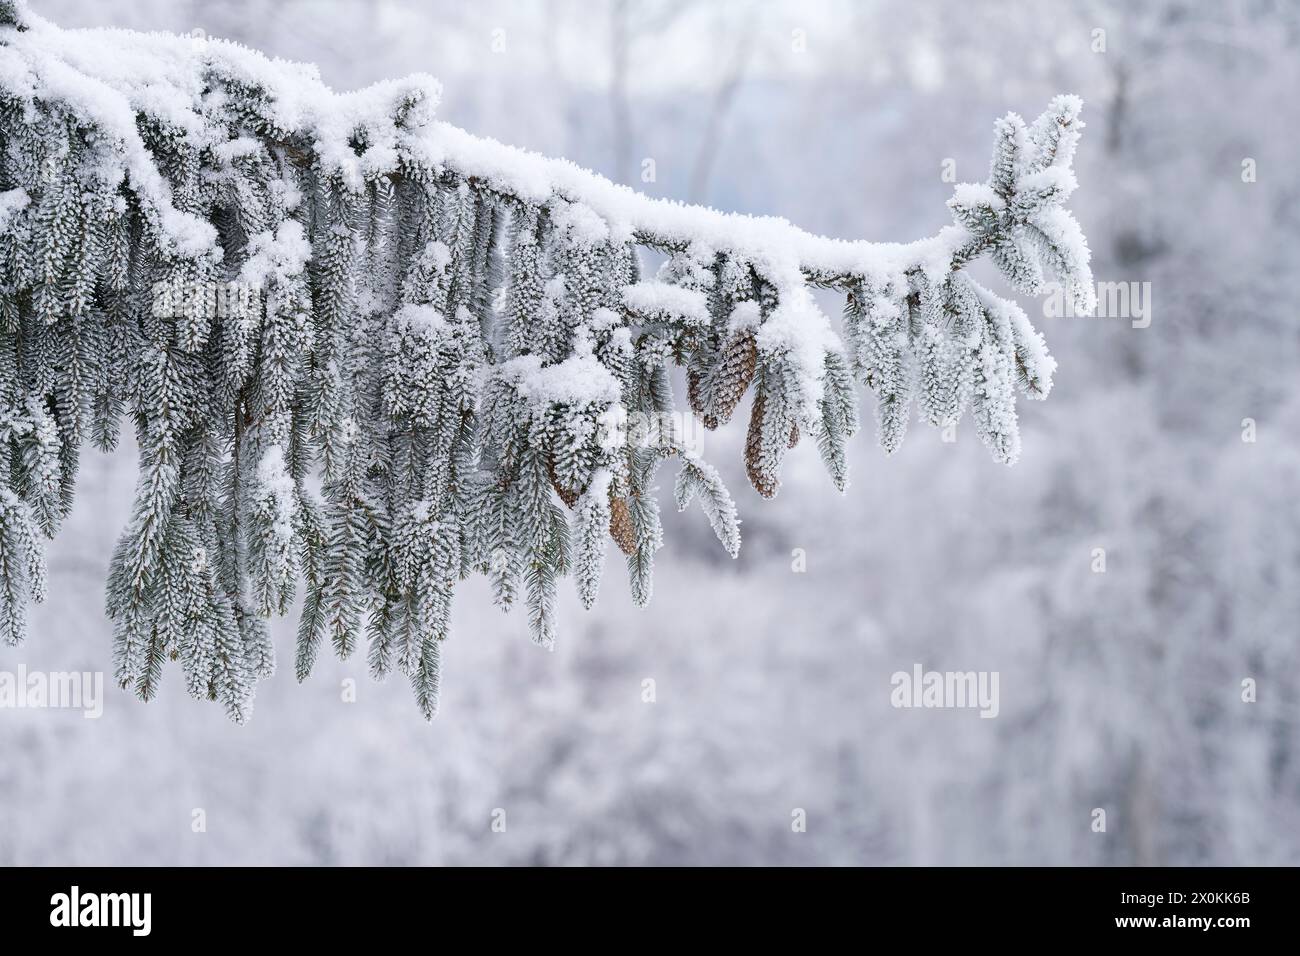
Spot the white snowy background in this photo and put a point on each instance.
(1119, 691)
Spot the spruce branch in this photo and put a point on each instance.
(289, 289)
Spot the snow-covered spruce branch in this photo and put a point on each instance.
(368, 354)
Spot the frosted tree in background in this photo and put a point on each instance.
(368, 354)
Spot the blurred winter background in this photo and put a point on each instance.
(1119, 690)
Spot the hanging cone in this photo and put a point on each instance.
(621, 527)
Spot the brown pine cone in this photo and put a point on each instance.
(763, 483)
(731, 376)
(621, 527)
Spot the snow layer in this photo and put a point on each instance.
(12, 201)
(578, 381)
(108, 77)
(661, 298)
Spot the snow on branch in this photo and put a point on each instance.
(369, 354)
